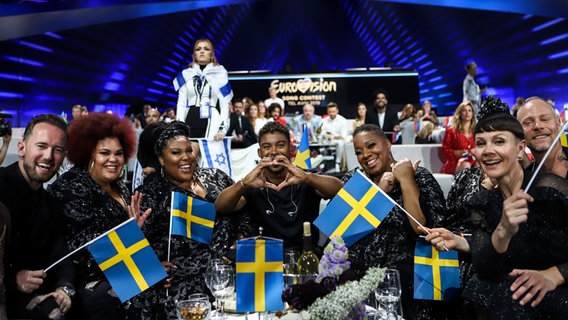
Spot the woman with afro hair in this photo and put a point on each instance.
(95, 199)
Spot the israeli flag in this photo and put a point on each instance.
(216, 154)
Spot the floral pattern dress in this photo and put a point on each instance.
(189, 256)
(392, 243)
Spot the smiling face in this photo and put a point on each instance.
(540, 124)
(203, 53)
(271, 145)
(497, 152)
(381, 100)
(42, 153)
(107, 161)
(178, 161)
(373, 152)
(361, 110)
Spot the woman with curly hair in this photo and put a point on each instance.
(458, 140)
(94, 199)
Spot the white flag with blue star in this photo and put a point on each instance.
(216, 154)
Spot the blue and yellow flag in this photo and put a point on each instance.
(356, 210)
(564, 143)
(259, 275)
(436, 273)
(302, 158)
(127, 260)
(192, 218)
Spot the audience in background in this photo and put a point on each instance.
(276, 113)
(35, 237)
(424, 135)
(407, 114)
(169, 115)
(427, 113)
(254, 118)
(471, 91)
(518, 103)
(84, 110)
(262, 110)
(95, 199)
(274, 99)
(6, 139)
(153, 116)
(308, 120)
(459, 140)
(383, 116)
(334, 129)
(76, 111)
(360, 118)
(240, 128)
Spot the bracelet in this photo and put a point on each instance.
(242, 184)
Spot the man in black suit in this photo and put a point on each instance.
(382, 116)
(34, 241)
(241, 128)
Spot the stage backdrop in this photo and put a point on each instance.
(346, 89)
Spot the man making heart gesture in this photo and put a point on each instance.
(278, 196)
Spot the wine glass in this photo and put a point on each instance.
(222, 279)
(213, 263)
(388, 293)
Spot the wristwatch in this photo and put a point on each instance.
(68, 290)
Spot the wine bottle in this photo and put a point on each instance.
(308, 261)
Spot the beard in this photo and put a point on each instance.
(36, 176)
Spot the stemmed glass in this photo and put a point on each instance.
(222, 279)
(388, 293)
(213, 263)
(291, 267)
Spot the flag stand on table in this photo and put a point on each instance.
(259, 274)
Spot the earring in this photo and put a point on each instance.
(122, 173)
(162, 172)
(91, 166)
(520, 157)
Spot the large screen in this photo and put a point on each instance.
(319, 89)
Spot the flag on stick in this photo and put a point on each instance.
(436, 274)
(192, 218)
(259, 275)
(356, 210)
(127, 260)
(302, 158)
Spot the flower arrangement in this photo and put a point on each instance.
(341, 286)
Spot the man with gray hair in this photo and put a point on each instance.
(312, 122)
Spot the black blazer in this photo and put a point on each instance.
(246, 130)
(391, 120)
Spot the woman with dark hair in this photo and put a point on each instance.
(412, 187)
(179, 173)
(458, 140)
(204, 94)
(95, 199)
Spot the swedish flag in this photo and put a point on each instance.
(436, 274)
(192, 218)
(259, 275)
(127, 260)
(564, 143)
(357, 209)
(302, 159)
